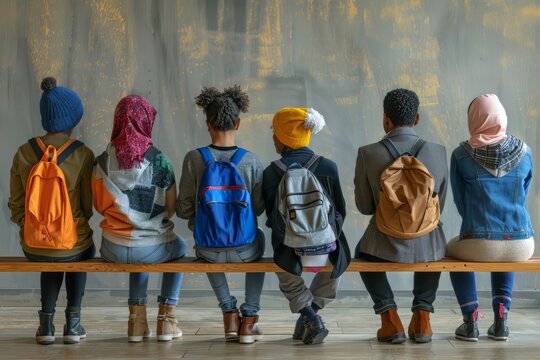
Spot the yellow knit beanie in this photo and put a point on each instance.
(293, 126)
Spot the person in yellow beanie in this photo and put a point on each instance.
(292, 129)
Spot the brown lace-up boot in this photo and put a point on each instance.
(137, 324)
(167, 325)
(250, 330)
(231, 324)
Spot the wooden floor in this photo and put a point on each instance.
(352, 332)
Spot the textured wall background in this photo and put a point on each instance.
(340, 57)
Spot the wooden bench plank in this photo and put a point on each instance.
(21, 264)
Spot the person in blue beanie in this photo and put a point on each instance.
(61, 110)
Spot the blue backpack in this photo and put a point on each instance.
(224, 217)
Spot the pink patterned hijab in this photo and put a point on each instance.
(132, 130)
(487, 121)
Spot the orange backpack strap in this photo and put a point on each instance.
(65, 150)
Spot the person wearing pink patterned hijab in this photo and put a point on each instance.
(134, 189)
(134, 119)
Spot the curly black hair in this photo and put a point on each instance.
(401, 106)
(222, 109)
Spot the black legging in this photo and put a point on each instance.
(51, 282)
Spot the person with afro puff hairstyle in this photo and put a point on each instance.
(399, 119)
(222, 110)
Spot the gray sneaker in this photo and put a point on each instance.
(499, 329)
(299, 328)
(315, 331)
(468, 331)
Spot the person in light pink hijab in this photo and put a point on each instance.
(491, 176)
(487, 121)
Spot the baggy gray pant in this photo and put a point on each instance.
(322, 290)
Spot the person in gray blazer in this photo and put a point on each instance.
(400, 118)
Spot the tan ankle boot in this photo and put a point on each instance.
(391, 328)
(420, 328)
(167, 328)
(250, 330)
(137, 324)
(231, 324)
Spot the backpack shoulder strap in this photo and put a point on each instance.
(37, 146)
(67, 149)
(206, 154)
(391, 147)
(280, 167)
(417, 147)
(238, 156)
(311, 162)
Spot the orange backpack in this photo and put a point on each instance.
(408, 204)
(48, 220)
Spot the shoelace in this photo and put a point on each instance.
(168, 318)
(477, 313)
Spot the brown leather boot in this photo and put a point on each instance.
(137, 324)
(167, 325)
(231, 324)
(420, 328)
(250, 330)
(391, 328)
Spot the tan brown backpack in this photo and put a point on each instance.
(408, 204)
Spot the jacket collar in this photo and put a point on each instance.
(401, 131)
(295, 152)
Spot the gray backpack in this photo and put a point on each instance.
(304, 206)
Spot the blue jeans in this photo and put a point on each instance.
(254, 281)
(51, 282)
(464, 284)
(138, 282)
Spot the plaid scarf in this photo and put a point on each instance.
(499, 159)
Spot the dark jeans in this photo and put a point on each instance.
(424, 290)
(51, 282)
(464, 284)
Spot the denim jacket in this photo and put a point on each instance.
(491, 207)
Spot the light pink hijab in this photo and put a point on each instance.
(487, 121)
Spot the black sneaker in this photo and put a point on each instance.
(299, 328)
(73, 330)
(468, 331)
(314, 331)
(499, 329)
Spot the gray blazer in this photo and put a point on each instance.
(371, 161)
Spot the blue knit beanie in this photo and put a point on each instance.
(61, 108)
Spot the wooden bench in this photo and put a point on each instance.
(21, 264)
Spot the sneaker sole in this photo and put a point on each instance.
(72, 339)
(45, 340)
(469, 339)
(231, 336)
(249, 339)
(498, 338)
(317, 339)
(168, 337)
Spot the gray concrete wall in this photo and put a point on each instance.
(340, 57)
